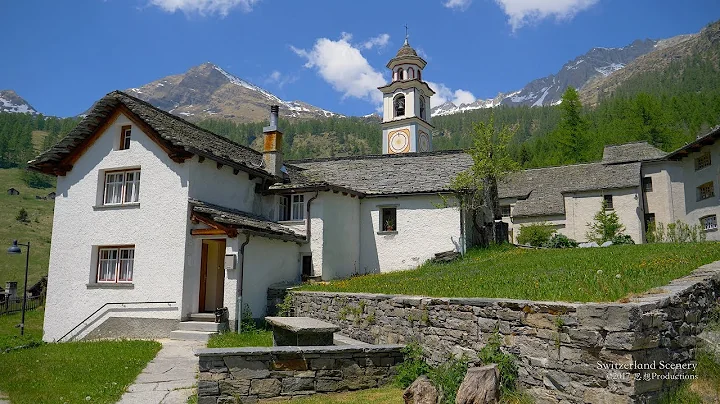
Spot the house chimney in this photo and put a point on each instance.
(272, 144)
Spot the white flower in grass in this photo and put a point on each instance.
(617, 276)
(599, 271)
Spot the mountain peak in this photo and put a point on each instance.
(10, 101)
(207, 90)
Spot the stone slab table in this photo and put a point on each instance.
(301, 331)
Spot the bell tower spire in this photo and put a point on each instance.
(406, 104)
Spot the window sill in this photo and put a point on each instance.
(291, 222)
(387, 233)
(120, 206)
(110, 285)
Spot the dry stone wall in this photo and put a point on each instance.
(565, 351)
(245, 375)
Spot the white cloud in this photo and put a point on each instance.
(457, 4)
(380, 41)
(343, 66)
(444, 94)
(523, 12)
(279, 79)
(204, 7)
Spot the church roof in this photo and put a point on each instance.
(631, 152)
(539, 191)
(406, 50)
(383, 174)
(175, 133)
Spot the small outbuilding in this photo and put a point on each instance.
(13, 191)
(51, 195)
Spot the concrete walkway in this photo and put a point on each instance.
(167, 379)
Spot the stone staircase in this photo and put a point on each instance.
(199, 327)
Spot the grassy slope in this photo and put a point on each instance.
(557, 275)
(37, 231)
(10, 334)
(72, 372)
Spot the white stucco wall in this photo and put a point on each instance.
(157, 228)
(266, 261)
(581, 207)
(340, 243)
(660, 200)
(423, 229)
(694, 209)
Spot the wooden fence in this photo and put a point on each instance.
(14, 305)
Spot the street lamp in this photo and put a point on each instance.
(15, 249)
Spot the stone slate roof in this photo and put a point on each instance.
(631, 152)
(244, 221)
(406, 50)
(381, 174)
(540, 191)
(178, 133)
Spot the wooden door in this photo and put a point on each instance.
(203, 276)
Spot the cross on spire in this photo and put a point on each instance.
(406, 34)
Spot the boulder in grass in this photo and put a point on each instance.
(421, 391)
(480, 386)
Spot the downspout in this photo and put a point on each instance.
(238, 303)
(307, 216)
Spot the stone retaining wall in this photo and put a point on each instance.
(561, 346)
(244, 375)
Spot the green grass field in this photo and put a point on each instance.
(572, 275)
(233, 339)
(74, 372)
(10, 334)
(37, 231)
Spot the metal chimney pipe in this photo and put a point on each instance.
(274, 109)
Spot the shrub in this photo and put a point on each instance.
(491, 353)
(37, 180)
(622, 239)
(285, 309)
(448, 376)
(678, 232)
(560, 241)
(412, 367)
(535, 234)
(22, 216)
(606, 225)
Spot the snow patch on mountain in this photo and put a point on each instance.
(11, 102)
(609, 69)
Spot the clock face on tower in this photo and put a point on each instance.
(423, 142)
(399, 141)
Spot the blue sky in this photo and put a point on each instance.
(63, 55)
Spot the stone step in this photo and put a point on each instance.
(207, 317)
(191, 335)
(202, 326)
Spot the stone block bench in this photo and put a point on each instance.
(301, 331)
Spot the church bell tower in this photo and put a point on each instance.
(406, 105)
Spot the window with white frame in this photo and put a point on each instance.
(125, 135)
(709, 222)
(505, 210)
(121, 187)
(115, 264)
(298, 207)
